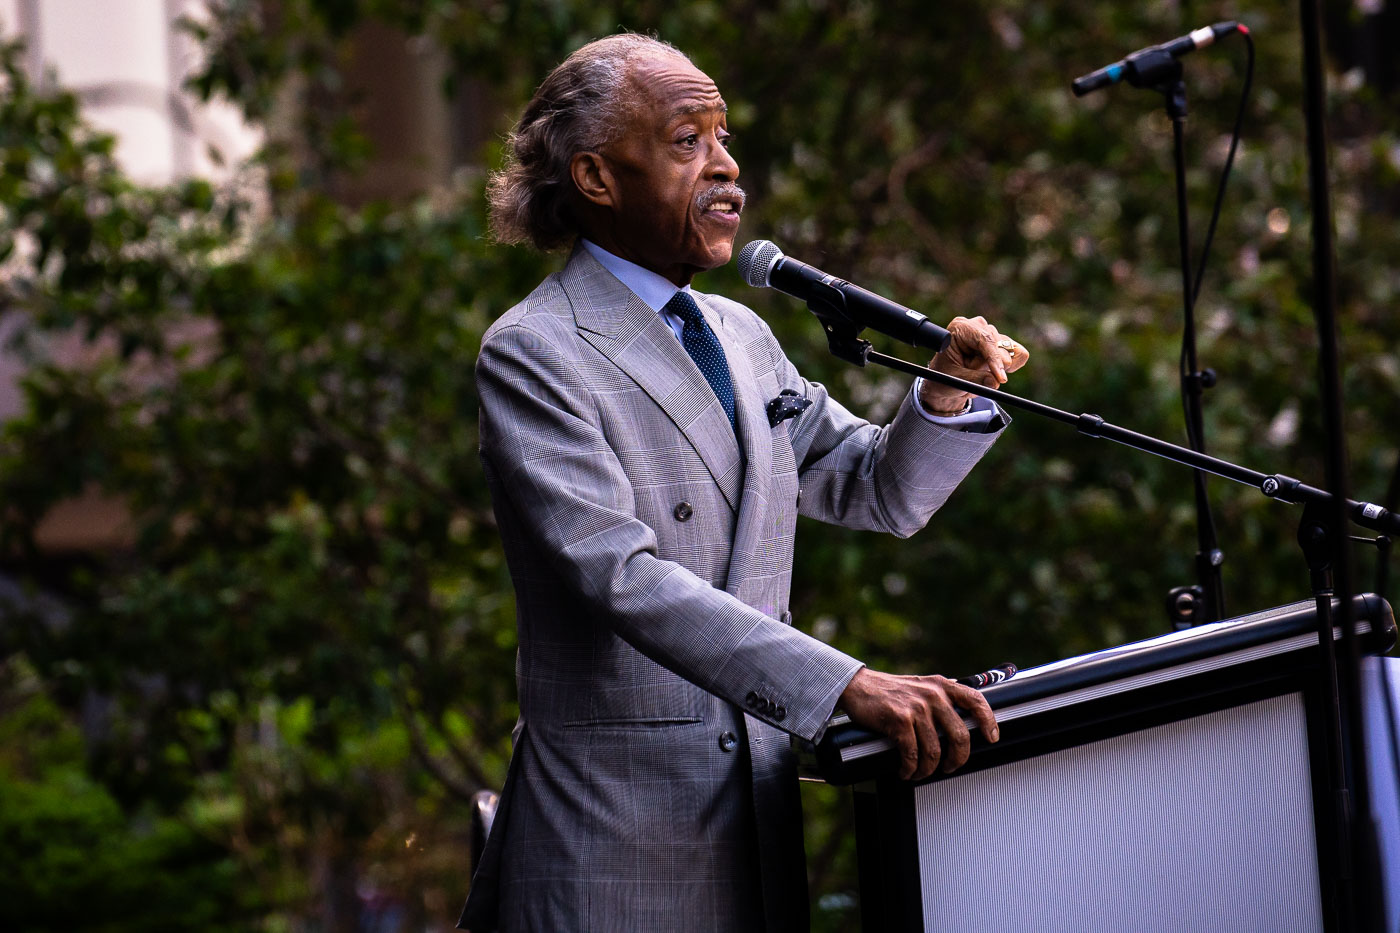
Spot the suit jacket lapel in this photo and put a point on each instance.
(757, 438)
(633, 336)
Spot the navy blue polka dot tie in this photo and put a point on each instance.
(703, 346)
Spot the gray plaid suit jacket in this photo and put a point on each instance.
(652, 785)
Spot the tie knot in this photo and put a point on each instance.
(685, 308)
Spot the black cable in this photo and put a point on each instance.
(1229, 161)
(1192, 440)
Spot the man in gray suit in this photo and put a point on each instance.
(648, 449)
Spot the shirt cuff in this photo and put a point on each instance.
(982, 412)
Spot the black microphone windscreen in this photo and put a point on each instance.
(756, 259)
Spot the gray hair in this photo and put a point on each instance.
(578, 108)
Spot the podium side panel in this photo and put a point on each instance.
(887, 853)
(1380, 680)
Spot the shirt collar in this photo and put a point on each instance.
(654, 289)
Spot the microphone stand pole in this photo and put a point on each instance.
(1360, 906)
(1205, 602)
(1159, 70)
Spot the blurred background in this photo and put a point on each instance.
(256, 635)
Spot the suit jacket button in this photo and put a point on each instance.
(780, 713)
(683, 511)
(727, 741)
(751, 700)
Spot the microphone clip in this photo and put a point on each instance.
(828, 303)
(1157, 69)
(1154, 68)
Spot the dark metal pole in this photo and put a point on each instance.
(1360, 906)
(1209, 557)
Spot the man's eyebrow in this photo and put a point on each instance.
(687, 109)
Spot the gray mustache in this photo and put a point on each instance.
(728, 192)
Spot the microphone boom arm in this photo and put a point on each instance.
(1273, 485)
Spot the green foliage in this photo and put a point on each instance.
(303, 655)
(68, 846)
(296, 636)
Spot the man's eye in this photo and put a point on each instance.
(690, 140)
(724, 140)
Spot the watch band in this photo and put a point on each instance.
(966, 409)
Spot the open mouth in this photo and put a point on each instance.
(722, 201)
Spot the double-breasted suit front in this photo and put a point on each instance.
(652, 785)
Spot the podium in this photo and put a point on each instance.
(1177, 783)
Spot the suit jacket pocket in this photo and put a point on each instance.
(640, 722)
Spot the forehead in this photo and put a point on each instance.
(668, 86)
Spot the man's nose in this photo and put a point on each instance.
(722, 164)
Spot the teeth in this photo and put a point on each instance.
(722, 206)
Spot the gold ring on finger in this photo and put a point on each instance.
(1008, 345)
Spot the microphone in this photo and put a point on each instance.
(1136, 64)
(988, 678)
(763, 265)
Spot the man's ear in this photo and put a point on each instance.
(592, 178)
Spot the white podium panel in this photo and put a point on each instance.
(1201, 824)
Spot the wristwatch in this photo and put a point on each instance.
(965, 410)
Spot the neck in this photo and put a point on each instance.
(677, 273)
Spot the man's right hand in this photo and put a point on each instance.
(910, 709)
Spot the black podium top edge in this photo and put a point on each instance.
(847, 752)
